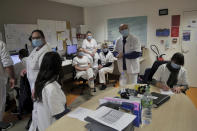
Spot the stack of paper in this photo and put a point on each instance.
(112, 118)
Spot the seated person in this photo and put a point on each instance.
(105, 64)
(83, 69)
(90, 46)
(49, 99)
(172, 75)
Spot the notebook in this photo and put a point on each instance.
(160, 99)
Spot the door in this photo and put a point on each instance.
(189, 45)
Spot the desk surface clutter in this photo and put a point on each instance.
(177, 114)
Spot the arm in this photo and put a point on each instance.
(108, 64)
(10, 71)
(157, 79)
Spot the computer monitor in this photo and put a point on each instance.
(71, 49)
(15, 59)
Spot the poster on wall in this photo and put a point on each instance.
(174, 31)
(186, 35)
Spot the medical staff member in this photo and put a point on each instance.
(128, 51)
(172, 75)
(90, 46)
(83, 69)
(50, 100)
(6, 65)
(105, 64)
(34, 60)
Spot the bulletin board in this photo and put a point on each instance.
(17, 35)
(50, 29)
(137, 26)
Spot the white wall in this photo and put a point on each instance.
(96, 18)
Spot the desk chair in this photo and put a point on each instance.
(84, 81)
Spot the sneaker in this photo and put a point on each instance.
(103, 87)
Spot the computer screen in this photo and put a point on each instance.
(15, 59)
(71, 49)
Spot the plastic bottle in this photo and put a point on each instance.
(122, 81)
(147, 103)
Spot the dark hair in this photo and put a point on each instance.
(23, 53)
(178, 58)
(50, 69)
(88, 32)
(39, 31)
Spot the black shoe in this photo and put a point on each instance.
(15, 112)
(103, 87)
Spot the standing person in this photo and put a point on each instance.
(90, 46)
(6, 65)
(50, 100)
(105, 65)
(128, 51)
(34, 60)
(83, 69)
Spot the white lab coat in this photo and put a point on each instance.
(33, 63)
(5, 61)
(132, 44)
(83, 62)
(105, 59)
(90, 46)
(53, 103)
(162, 74)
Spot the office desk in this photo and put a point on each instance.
(177, 114)
(67, 69)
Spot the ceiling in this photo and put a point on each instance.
(90, 3)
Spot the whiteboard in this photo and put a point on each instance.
(137, 26)
(50, 28)
(17, 35)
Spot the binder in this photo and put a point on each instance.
(160, 99)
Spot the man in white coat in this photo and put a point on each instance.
(6, 65)
(127, 51)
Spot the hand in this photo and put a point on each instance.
(100, 66)
(86, 68)
(92, 54)
(12, 82)
(120, 55)
(32, 94)
(165, 87)
(23, 72)
(177, 90)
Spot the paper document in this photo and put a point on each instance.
(80, 113)
(169, 92)
(112, 118)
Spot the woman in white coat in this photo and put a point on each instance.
(172, 75)
(84, 70)
(50, 100)
(128, 51)
(35, 58)
(6, 66)
(105, 65)
(90, 46)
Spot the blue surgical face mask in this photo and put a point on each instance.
(105, 50)
(89, 37)
(175, 66)
(37, 42)
(80, 54)
(124, 32)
